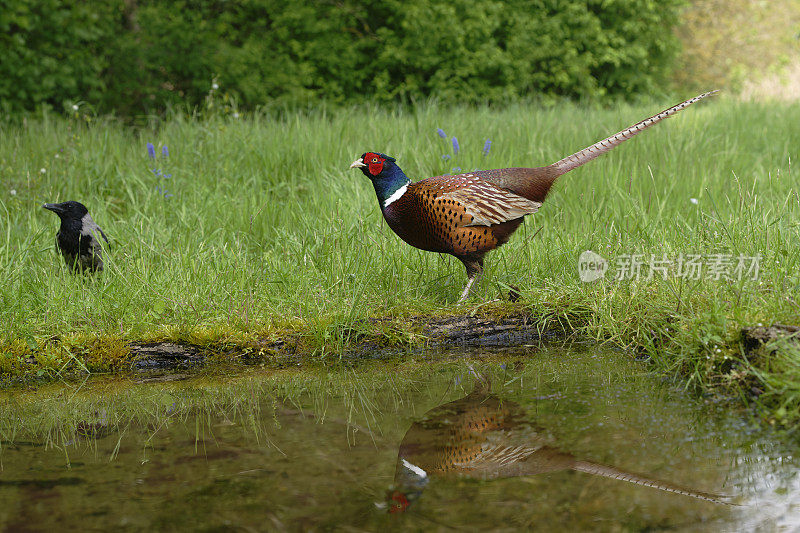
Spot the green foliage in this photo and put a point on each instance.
(470, 51)
(142, 56)
(53, 51)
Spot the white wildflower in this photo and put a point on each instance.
(214, 86)
(43, 170)
(693, 200)
(13, 192)
(235, 114)
(74, 107)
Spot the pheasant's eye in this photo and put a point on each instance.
(374, 159)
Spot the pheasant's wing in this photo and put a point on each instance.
(496, 456)
(502, 449)
(489, 204)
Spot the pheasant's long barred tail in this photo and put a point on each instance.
(587, 154)
(614, 473)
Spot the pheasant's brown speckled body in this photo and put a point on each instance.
(468, 215)
(451, 437)
(435, 215)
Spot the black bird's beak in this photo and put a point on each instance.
(55, 208)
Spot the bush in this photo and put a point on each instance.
(53, 51)
(141, 56)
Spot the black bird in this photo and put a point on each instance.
(78, 239)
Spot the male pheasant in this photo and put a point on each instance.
(468, 215)
(485, 437)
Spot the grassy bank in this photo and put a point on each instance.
(262, 231)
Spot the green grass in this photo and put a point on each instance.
(268, 232)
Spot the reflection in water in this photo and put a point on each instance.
(313, 450)
(481, 436)
(95, 428)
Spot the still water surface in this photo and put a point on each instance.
(533, 439)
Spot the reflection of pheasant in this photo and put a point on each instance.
(482, 437)
(468, 215)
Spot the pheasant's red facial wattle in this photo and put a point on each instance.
(399, 502)
(375, 163)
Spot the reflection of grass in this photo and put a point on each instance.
(267, 232)
(57, 414)
(360, 401)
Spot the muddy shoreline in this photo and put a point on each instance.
(374, 339)
(460, 331)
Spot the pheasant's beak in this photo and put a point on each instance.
(357, 163)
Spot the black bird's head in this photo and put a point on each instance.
(68, 210)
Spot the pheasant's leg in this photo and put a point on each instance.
(466, 290)
(482, 384)
(474, 266)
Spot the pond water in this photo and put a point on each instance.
(530, 438)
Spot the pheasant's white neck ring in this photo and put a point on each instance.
(414, 468)
(395, 195)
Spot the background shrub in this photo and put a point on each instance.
(138, 56)
(53, 51)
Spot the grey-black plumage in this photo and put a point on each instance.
(78, 238)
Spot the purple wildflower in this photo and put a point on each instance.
(445, 156)
(456, 169)
(441, 133)
(486, 147)
(164, 192)
(151, 150)
(164, 151)
(455, 145)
